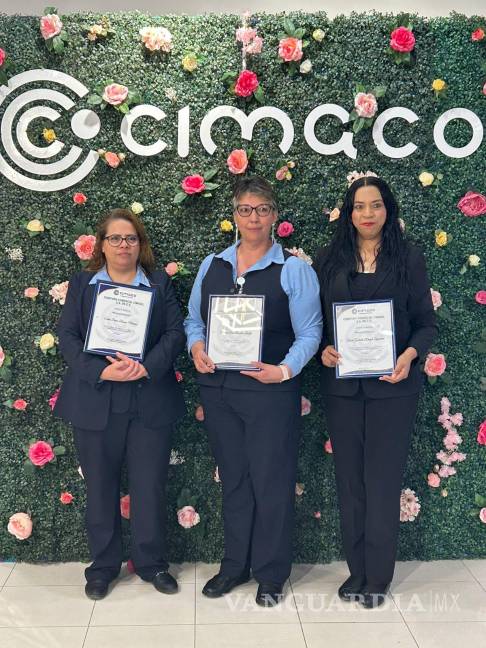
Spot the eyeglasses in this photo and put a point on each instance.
(116, 239)
(264, 209)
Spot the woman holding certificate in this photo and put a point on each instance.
(122, 405)
(254, 305)
(379, 324)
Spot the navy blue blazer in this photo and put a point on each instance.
(84, 401)
(415, 323)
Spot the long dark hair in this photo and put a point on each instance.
(344, 251)
(146, 256)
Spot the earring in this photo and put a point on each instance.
(273, 233)
(236, 233)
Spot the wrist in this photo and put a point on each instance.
(285, 373)
(410, 353)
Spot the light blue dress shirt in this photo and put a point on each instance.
(298, 281)
(139, 279)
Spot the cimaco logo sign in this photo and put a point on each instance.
(51, 168)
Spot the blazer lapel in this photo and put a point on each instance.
(383, 272)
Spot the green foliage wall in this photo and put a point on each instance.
(354, 50)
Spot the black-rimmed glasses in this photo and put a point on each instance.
(263, 209)
(116, 239)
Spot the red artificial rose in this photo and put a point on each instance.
(472, 204)
(79, 198)
(480, 297)
(125, 506)
(53, 399)
(193, 184)
(66, 498)
(285, 229)
(402, 40)
(482, 433)
(3, 56)
(246, 84)
(41, 453)
(179, 376)
(478, 34)
(435, 364)
(19, 404)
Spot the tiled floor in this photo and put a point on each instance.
(431, 605)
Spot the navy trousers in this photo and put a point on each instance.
(370, 442)
(101, 455)
(254, 436)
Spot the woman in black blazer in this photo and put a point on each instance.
(121, 408)
(370, 420)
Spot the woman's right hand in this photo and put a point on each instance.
(202, 361)
(330, 357)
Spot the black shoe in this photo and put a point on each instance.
(165, 583)
(269, 594)
(96, 589)
(373, 596)
(220, 584)
(350, 590)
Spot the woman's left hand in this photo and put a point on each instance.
(268, 373)
(402, 367)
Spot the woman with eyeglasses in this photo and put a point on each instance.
(371, 419)
(252, 417)
(121, 408)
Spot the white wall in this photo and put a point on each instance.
(332, 7)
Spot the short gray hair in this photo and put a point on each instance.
(254, 185)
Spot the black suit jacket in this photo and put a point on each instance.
(83, 400)
(415, 323)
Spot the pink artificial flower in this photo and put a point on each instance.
(125, 506)
(245, 35)
(199, 413)
(193, 184)
(472, 204)
(179, 376)
(41, 453)
(115, 94)
(58, 292)
(482, 515)
(402, 40)
(112, 159)
(79, 198)
(84, 246)
(3, 56)
(282, 172)
(187, 517)
(365, 104)
(317, 515)
(477, 35)
(172, 268)
(20, 526)
(255, 47)
(482, 433)
(2, 356)
(53, 398)
(484, 89)
(446, 471)
(50, 26)
(328, 446)
(480, 297)
(457, 419)
(445, 405)
(237, 161)
(246, 84)
(290, 49)
(436, 298)
(66, 498)
(435, 364)
(305, 406)
(452, 440)
(456, 456)
(285, 229)
(31, 292)
(20, 404)
(433, 480)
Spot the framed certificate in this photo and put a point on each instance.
(235, 330)
(364, 335)
(119, 320)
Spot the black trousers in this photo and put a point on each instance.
(370, 441)
(254, 437)
(101, 455)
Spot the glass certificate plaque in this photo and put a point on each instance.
(364, 335)
(119, 320)
(235, 330)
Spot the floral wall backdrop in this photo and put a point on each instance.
(364, 63)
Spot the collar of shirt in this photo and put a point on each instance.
(139, 279)
(273, 255)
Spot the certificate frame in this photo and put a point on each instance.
(102, 286)
(391, 354)
(212, 329)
